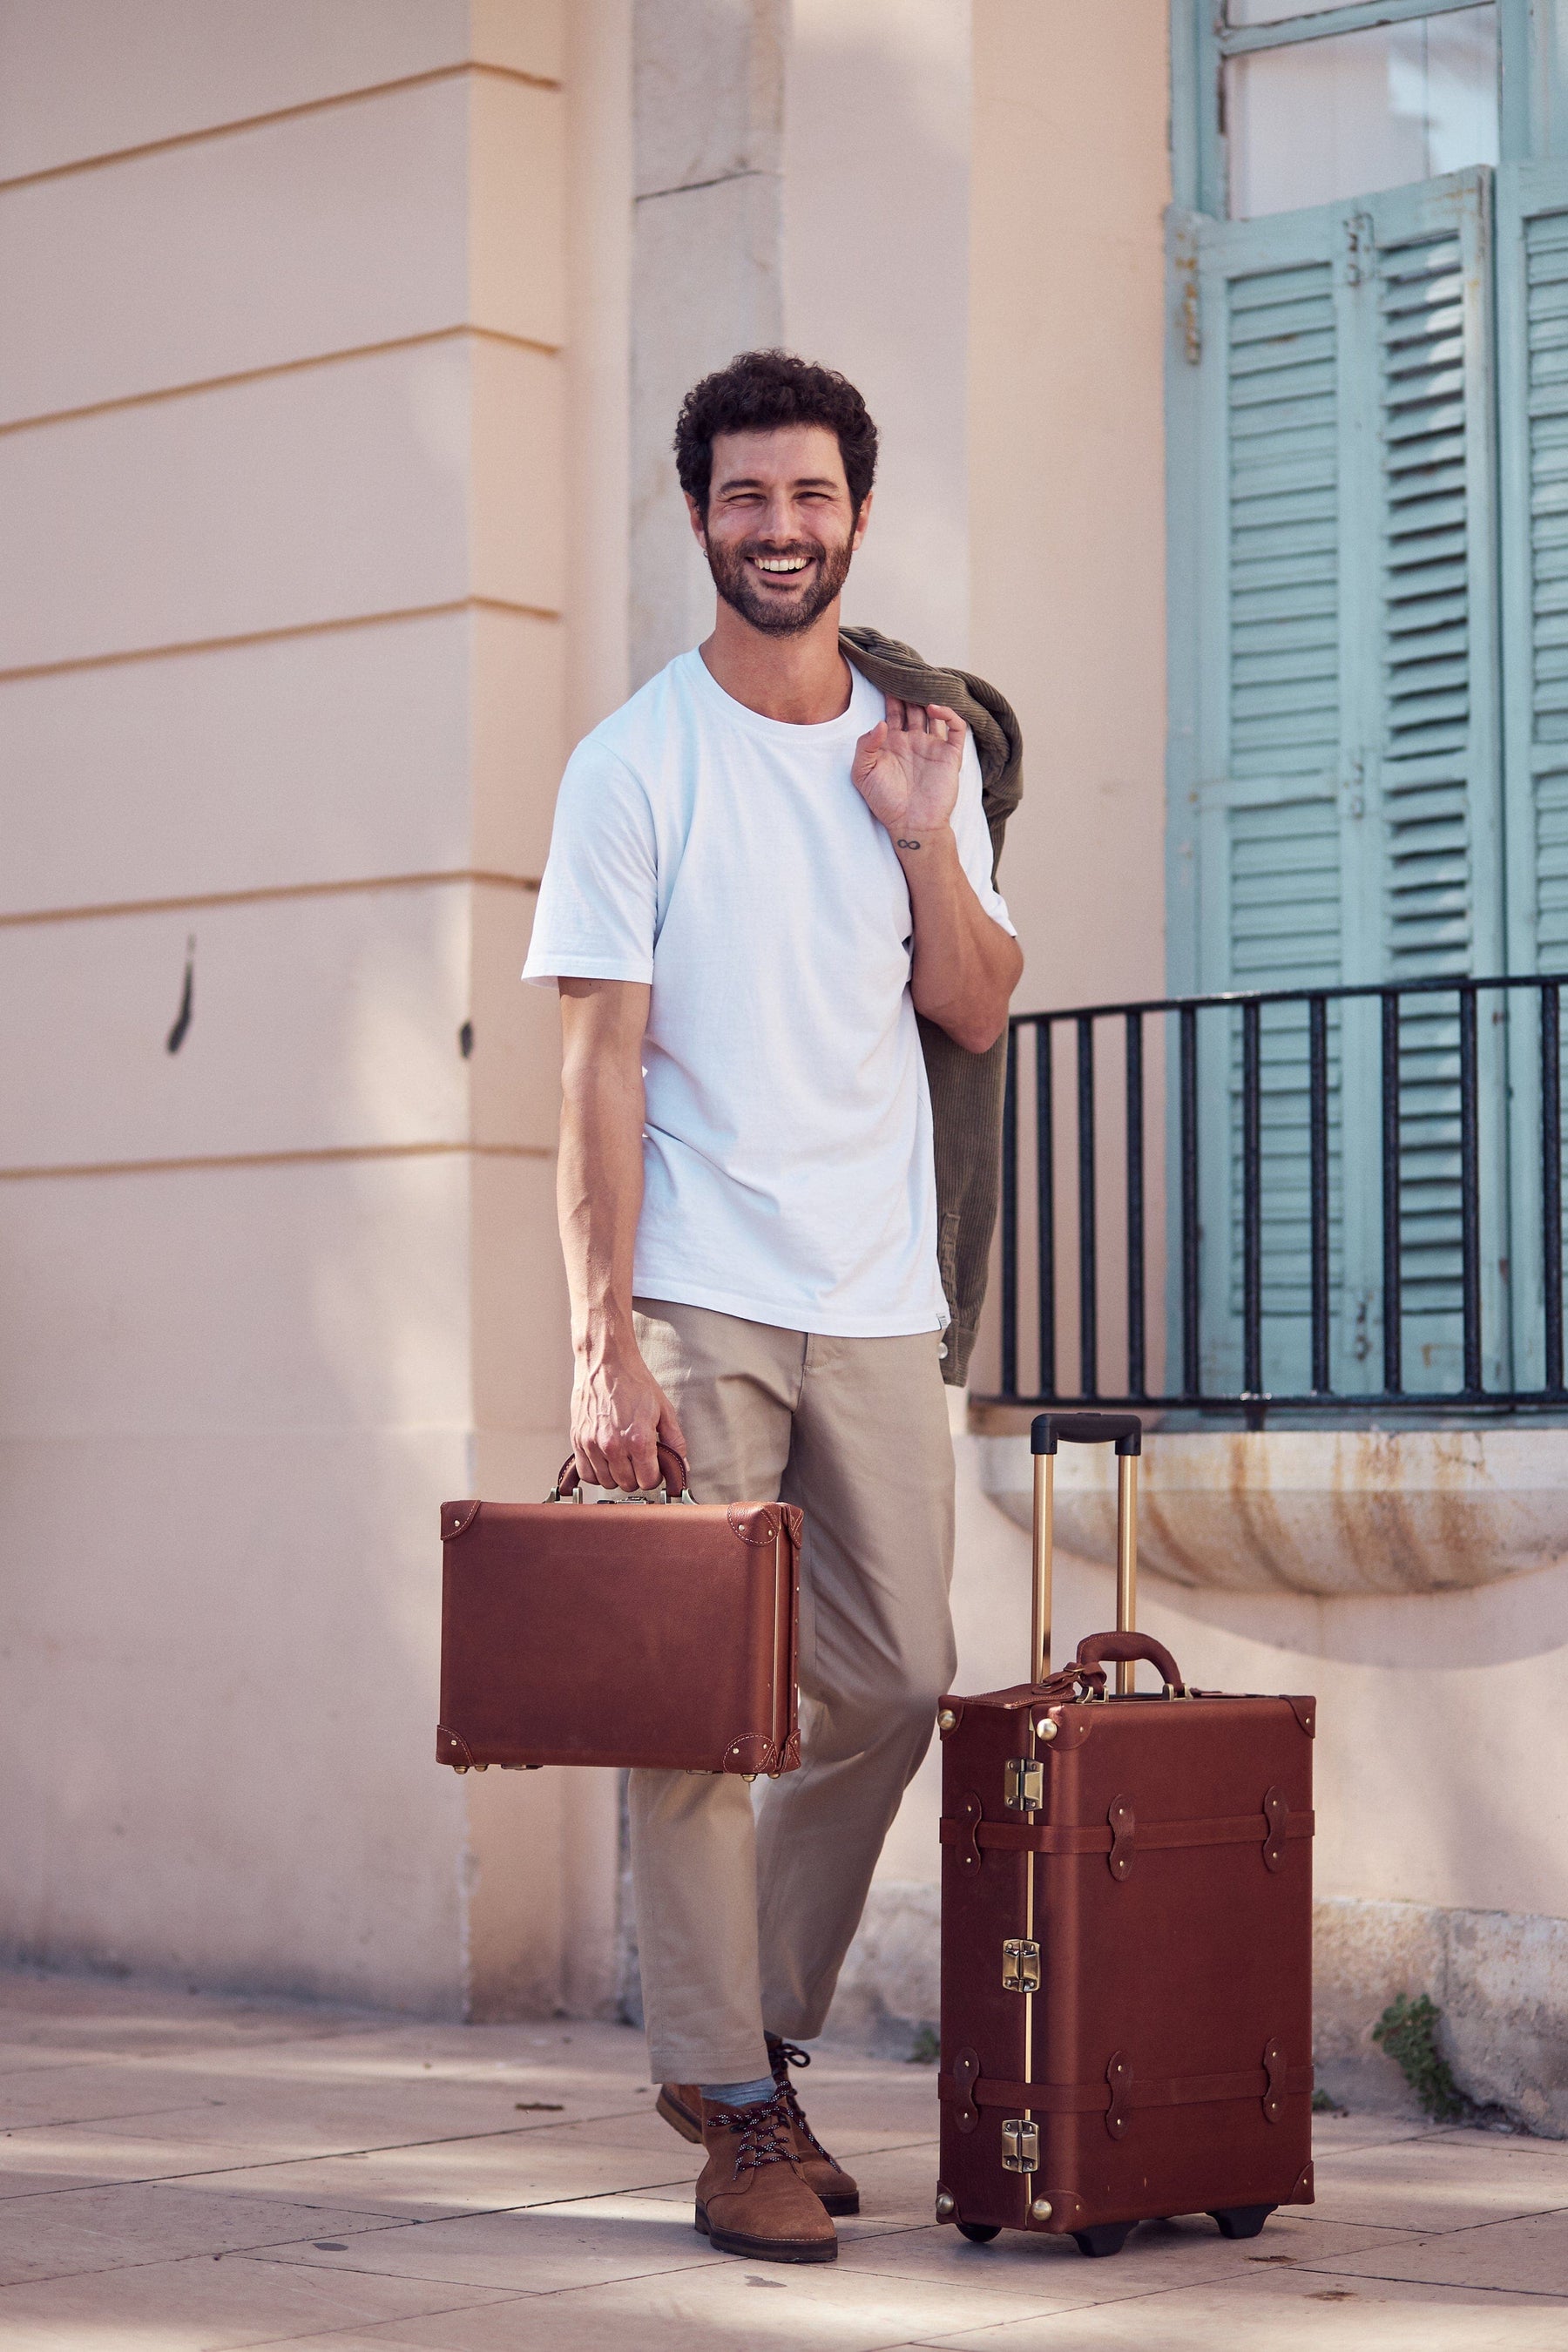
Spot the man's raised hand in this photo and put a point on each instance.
(906, 769)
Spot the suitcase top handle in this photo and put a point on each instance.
(1049, 1429)
(671, 1466)
(1122, 1649)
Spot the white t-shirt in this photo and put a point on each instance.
(728, 860)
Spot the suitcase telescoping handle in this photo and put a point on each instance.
(1125, 1431)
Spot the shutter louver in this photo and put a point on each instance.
(1284, 535)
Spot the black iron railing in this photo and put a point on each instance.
(1363, 1201)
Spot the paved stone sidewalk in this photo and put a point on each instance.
(178, 2173)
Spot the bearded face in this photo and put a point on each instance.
(779, 585)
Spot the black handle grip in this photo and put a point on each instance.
(1049, 1430)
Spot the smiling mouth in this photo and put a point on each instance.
(785, 568)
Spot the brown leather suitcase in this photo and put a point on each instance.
(1126, 1931)
(616, 1633)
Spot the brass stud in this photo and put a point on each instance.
(1046, 1727)
(1040, 2210)
(946, 2205)
(946, 1720)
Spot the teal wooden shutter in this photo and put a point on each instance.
(1533, 408)
(1270, 751)
(1342, 779)
(1431, 873)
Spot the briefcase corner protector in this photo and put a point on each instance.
(456, 1518)
(452, 1749)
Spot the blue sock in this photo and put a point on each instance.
(738, 2095)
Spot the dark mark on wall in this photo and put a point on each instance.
(465, 1039)
(177, 1036)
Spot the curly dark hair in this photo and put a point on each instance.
(760, 391)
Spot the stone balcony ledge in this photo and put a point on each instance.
(1331, 1511)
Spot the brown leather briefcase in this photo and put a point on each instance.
(620, 1634)
(1126, 1932)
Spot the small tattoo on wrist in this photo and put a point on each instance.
(899, 842)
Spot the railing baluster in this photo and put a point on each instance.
(1191, 1369)
(1136, 1381)
(1088, 1348)
(1251, 1200)
(1393, 1309)
(1010, 1218)
(1552, 1179)
(1046, 1196)
(1469, 1191)
(1317, 1163)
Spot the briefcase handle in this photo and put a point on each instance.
(672, 1468)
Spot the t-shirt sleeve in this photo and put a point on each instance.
(973, 835)
(598, 901)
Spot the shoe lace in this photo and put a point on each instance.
(763, 2130)
(782, 2055)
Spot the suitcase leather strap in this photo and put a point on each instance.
(1120, 2093)
(1128, 1836)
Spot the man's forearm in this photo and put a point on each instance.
(964, 966)
(598, 1196)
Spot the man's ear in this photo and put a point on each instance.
(696, 516)
(862, 519)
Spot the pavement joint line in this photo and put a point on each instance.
(114, 2115)
(1392, 2278)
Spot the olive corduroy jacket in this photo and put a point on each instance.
(965, 1088)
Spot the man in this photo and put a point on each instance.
(763, 870)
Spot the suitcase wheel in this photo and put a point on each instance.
(1105, 2238)
(1241, 2220)
(980, 2232)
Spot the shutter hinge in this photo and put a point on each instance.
(1020, 1965)
(1020, 2145)
(1025, 1784)
(1189, 320)
(1361, 248)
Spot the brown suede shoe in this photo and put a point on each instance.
(836, 2188)
(680, 2104)
(751, 2196)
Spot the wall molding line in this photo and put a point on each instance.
(113, 155)
(198, 385)
(265, 894)
(279, 636)
(322, 1156)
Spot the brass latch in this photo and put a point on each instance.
(1025, 1784)
(1020, 1965)
(1020, 2145)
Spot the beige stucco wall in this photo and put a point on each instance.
(281, 673)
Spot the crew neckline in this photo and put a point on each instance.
(788, 730)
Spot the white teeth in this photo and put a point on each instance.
(780, 563)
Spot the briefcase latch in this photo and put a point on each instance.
(1020, 2145)
(1025, 1784)
(1020, 1965)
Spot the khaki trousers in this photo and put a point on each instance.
(745, 1912)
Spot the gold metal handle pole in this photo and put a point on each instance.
(1041, 1624)
(1126, 1563)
